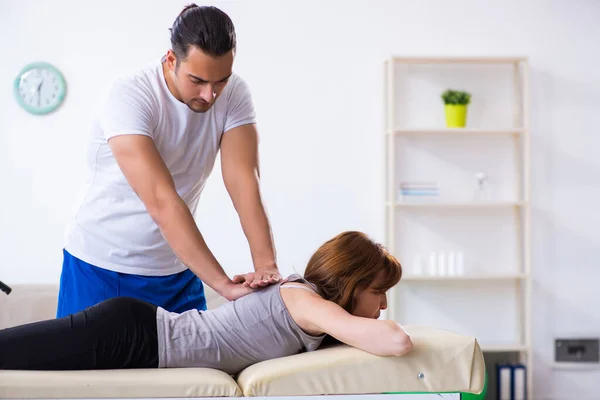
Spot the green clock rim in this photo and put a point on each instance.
(61, 94)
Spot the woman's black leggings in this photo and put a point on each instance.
(117, 333)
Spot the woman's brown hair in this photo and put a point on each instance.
(349, 262)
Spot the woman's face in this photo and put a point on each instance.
(368, 303)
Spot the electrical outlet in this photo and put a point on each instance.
(577, 350)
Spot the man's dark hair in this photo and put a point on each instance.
(205, 27)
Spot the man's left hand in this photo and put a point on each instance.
(260, 278)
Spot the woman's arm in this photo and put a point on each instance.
(379, 337)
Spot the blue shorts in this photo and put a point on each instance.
(82, 285)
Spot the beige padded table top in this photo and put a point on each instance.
(137, 383)
(441, 361)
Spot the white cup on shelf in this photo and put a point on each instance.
(460, 263)
(433, 264)
(442, 269)
(451, 263)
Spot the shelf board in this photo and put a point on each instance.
(503, 348)
(575, 365)
(478, 277)
(466, 131)
(453, 205)
(458, 60)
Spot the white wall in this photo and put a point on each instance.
(316, 72)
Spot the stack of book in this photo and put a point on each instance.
(417, 191)
(511, 382)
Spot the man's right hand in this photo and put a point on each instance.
(259, 278)
(233, 291)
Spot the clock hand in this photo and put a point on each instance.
(39, 92)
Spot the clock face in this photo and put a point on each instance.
(39, 88)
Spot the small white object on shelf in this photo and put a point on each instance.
(481, 193)
(432, 264)
(451, 263)
(442, 264)
(460, 264)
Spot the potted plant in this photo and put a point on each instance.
(455, 107)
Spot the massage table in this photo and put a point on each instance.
(442, 365)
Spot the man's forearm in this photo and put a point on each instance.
(255, 224)
(177, 225)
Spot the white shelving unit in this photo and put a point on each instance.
(516, 277)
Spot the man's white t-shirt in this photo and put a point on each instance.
(111, 227)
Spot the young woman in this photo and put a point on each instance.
(341, 295)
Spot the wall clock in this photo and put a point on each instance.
(39, 88)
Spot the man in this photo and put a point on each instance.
(153, 144)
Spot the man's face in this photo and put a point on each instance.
(199, 79)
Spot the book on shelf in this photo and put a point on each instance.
(418, 190)
(511, 382)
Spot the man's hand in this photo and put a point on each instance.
(233, 291)
(260, 278)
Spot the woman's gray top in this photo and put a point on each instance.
(253, 328)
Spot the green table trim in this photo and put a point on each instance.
(463, 395)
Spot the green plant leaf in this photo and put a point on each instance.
(451, 96)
